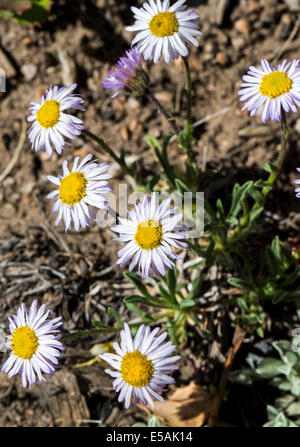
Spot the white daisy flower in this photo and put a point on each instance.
(150, 232)
(51, 123)
(164, 29)
(33, 343)
(142, 364)
(272, 90)
(85, 185)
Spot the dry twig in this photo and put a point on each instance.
(15, 158)
(238, 338)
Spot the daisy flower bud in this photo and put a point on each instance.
(50, 122)
(272, 90)
(142, 365)
(150, 233)
(164, 29)
(33, 343)
(85, 185)
(127, 75)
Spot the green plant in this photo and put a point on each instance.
(282, 373)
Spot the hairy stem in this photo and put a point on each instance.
(282, 154)
(157, 104)
(121, 162)
(188, 129)
(188, 89)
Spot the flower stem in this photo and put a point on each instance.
(186, 143)
(188, 88)
(282, 154)
(120, 160)
(157, 104)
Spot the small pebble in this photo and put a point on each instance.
(243, 26)
(29, 71)
(133, 103)
(221, 58)
(124, 133)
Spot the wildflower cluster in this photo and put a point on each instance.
(152, 235)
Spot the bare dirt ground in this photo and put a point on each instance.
(75, 274)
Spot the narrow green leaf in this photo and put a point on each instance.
(240, 283)
(186, 303)
(181, 187)
(143, 315)
(99, 325)
(142, 300)
(221, 210)
(242, 304)
(239, 193)
(115, 315)
(255, 213)
(137, 282)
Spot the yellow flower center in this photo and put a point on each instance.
(72, 188)
(24, 342)
(48, 114)
(275, 84)
(149, 234)
(163, 24)
(136, 369)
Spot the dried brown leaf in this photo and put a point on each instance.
(187, 406)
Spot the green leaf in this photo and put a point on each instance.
(209, 256)
(295, 388)
(283, 347)
(142, 300)
(186, 303)
(239, 193)
(162, 155)
(181, 187)
(152, 141)
(154, 421)
(272, 261)
(255, 213)
(165, 144)
(240, 283)
(242, 304)
(293, 409)
(172, 332)
(256, 194)
(172, 302)
(276, 248)
(137, 282)
(260, 332)
(115, 315)
(280, 420)
(195, 287)
(268, 167)
(143, 315)
(270, 367)
(171, 282)
(221, 210)
(99, 325)
(232, 220)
